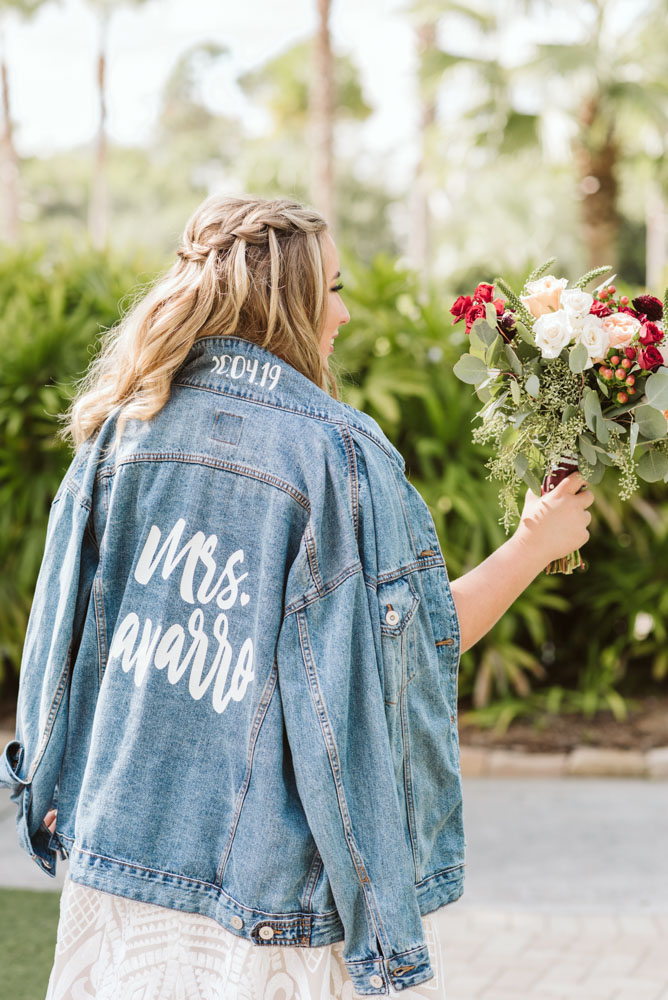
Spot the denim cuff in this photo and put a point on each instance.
(374, 976)
(38, 845)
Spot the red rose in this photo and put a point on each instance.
(483, 293)
(632, 312)
(600, 309)
(650, 335)
(630, 352)
(460, 307)
(650, 358)
(500, 306)
(473, 313)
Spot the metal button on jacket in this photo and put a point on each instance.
(237, 922)
(266, 933)
(392, 617)
(375, 981)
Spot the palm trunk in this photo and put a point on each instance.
(98, 204)
(9, 167)
(596, 161)
(322, 119)
(419, 236)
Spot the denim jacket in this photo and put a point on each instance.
(239, 679)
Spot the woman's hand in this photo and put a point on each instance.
(50, 819)
(555, 524)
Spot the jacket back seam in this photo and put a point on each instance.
(332, 753)
(191, 458)
(260, 714)
(323, 416)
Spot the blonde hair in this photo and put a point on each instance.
(247, 266)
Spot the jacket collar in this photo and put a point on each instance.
(235, 366)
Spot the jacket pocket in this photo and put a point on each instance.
(397, 601)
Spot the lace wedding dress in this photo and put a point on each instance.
(112, 948)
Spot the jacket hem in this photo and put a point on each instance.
(296, 928)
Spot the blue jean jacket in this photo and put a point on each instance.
(239, 679)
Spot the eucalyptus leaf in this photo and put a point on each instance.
(656, 389)
(602, 432)
(515, 391)
(520, 416)
(578, 358)
(532, 482)
(509, 435)
(493, 352)
(652, 466)
(520, 465)
(491, 314)
(484, 331)
(513, 360)
(633, 436)
(470, 369)
(524, 333)
(592, 408)
(597, 473)
(587, 449)
(569, 411)
(651, 422)
(532, 385)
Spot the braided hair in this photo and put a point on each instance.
(248, 266)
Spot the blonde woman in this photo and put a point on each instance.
(237, 714)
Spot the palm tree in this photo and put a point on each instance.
(98, 210)
(11, 10)
(609, 87)
(306, 97)
(321, 107)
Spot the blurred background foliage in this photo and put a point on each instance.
(524, 149)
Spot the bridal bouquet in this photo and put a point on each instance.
(569, 379)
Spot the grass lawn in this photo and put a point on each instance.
(28, 926)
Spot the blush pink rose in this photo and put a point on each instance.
(544, 295)
(621, 328)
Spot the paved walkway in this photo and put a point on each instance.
(566, 890)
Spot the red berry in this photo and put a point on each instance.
(626, 363)
(632, 392)
(606, 373)
(620, 374)
(615, 359)
(631, 380)
(611, 289)
(624, 300)
(622, 397)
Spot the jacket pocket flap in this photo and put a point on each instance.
(397, 601)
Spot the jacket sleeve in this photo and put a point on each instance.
(330, 685)
(30, 764)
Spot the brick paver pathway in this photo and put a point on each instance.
(497, 954)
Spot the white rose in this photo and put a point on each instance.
(594, 337)
(552, 332)
(576, 302)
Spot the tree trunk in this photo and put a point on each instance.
(656, 223)
(596, 153)
(419, 234)
(98, 203)
(9, 166)
(322, 119)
